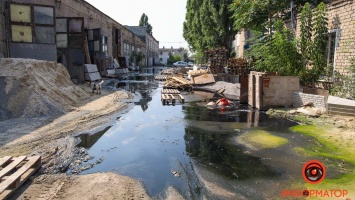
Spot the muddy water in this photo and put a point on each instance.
(195, 149)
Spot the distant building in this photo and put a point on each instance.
(164, 54)
(151, 43)
(56, 30)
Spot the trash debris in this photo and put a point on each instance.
(176, 173)
(175, 82)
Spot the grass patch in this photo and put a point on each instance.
(343, 158)
(260, 139)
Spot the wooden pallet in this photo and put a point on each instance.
(15, 171)
(171, 98)
(161, 77)
(170, 91)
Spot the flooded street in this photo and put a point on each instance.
(201, 152)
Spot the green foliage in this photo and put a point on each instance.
(208, 25)
(344, 84)
(139, 57)
(144, 22)
(257, 14)
(306, 33)
(173, 58)
(277, 52)
(320, 40)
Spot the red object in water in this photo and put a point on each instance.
(223, 102)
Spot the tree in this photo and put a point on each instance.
(208, 25)
(144, 22)
(260, 14)
(276, 52)
(306, 27)
(320, 39)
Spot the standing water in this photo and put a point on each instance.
(194, 149)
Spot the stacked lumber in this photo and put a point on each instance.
(216, 60)
(175, 82)
(238, 66)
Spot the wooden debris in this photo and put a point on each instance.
(238, 66)
(161, 77)
(15, 171)
(170, 91)
(175, 82)
(203, 79)
(216, 60)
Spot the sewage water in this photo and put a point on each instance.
(194, 149)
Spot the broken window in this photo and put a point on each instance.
(21, 33)
(20, 13)
(62, 40)
(44, 35)
(61, 25)
(43, 15)
(75, 25)
(104, 44)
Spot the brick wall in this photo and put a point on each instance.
(341, 16)
(300, 99)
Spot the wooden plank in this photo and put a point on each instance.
(12, 165)
(86, 51)
(33, 162)
(172, 98)
(19, 182)
(5, 160)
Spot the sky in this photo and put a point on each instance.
(166, 17)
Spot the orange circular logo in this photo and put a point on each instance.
(313, 172)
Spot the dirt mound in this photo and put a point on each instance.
(31, 88)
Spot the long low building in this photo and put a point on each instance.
(61, 30)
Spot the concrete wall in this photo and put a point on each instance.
(280, 90)
(271, 91)
(300, 99)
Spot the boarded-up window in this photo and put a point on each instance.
(75, 25)
(61, 25)
(75, 41)
(62, 40)
(21, 33)
(43, 15)
(44, 35)
(20, 13)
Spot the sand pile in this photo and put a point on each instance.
(30, 88)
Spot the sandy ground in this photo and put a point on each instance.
(51, 138)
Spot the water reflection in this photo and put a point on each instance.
(87, 140)
(227, 159)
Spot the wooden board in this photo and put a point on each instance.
(9, 181)
(204, 79)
